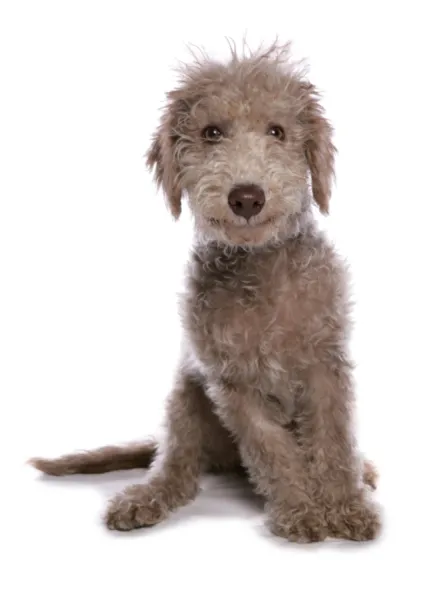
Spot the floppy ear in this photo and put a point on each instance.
(319, 149)
(161, 157)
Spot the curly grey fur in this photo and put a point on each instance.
(265, 381)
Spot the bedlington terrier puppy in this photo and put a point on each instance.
(264, 386)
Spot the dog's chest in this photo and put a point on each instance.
(239, 319)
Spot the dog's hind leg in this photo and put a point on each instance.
(220, 451)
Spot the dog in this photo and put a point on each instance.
(264, 385)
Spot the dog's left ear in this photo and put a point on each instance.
(161, 157)
(319, 149)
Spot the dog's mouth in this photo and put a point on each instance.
(249, 225)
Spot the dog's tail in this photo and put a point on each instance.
(109, 458)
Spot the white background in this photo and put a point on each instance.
(91, 263)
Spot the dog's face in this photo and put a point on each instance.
(242, 140)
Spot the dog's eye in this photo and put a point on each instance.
(212, 133)
(276, 131)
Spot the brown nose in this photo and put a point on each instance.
(246, 200)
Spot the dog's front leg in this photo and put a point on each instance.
(174, 475)
(325, 433)
(274, 461)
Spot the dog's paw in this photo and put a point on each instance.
(355, 519)
(134, 508)
(370, 474)
(302, 524)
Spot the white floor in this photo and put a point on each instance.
(216, 547)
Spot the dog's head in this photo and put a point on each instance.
(244, 140)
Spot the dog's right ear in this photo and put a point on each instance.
(161, 158)
(319, 148)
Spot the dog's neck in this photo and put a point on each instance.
(223, 255)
